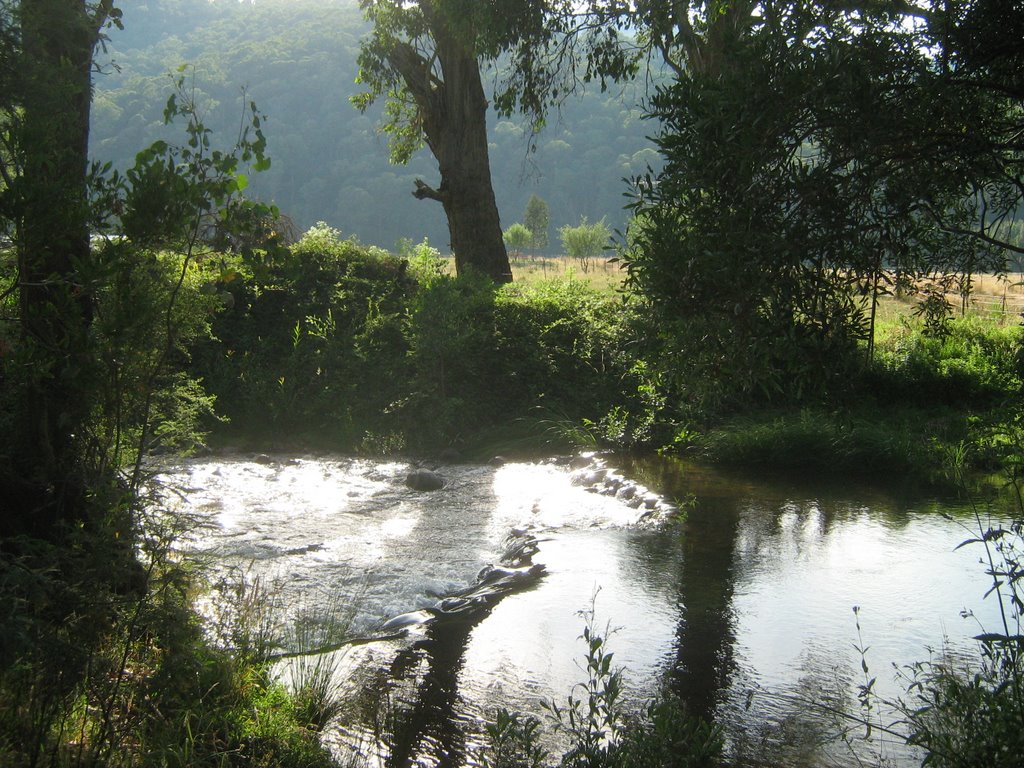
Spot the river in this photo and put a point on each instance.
(745, 609)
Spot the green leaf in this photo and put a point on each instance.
(241, 182)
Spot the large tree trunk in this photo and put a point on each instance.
(58, 39)
(454, 113)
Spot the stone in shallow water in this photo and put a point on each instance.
(405, 620)
(424, 480)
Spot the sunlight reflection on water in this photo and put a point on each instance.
(753, 594)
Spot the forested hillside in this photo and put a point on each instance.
(297, 60)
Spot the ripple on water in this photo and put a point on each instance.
(304, 520)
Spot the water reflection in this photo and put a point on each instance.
(743, 611)
(770, 575)
(705, 639)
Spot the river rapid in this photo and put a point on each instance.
(745, 609)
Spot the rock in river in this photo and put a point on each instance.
(424, 480)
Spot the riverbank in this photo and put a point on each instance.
(348, 349)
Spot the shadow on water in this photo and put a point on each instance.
(422, 722)
(769, 573)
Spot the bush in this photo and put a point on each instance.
(358, 349)
(970, 714)
(893, 444)
(964, 717)
(486, 357)
(974, 364)
(312, 343)
(601, 732)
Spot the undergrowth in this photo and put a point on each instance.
(97, 674)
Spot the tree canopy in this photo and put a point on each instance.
(815, 155)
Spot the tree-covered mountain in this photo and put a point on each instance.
(297, 60)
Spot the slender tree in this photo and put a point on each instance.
(537, 219)
(585, 241)
(517, 237)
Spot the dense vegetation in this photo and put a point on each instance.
(392, 353)
(788, 217)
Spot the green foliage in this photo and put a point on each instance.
(593, 716)
(317, 337)
(787, 202)
(518, 237)
(967, 714)
(601, 731)
(129, 677)
(156, 305)
(349, 347)
(105, 663)
(867, 443)
(451, 330)
(922, 398)
(425, 262)
(665, 736)
(973, 364)
(733, 278)
(586, 241)
(512, 742)
(530, 34)
(146, 307)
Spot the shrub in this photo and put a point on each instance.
(601, 731)
(313, 343)
(973, 364)
(357, 349)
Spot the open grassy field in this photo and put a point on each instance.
(598, 272)
(995, 296)
(999, 299)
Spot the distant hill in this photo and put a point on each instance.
(296, 59)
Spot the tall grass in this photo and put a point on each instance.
(868, 443)
(922, 398)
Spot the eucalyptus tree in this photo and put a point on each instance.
(427, 58)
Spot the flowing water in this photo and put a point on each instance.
(745, 610)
